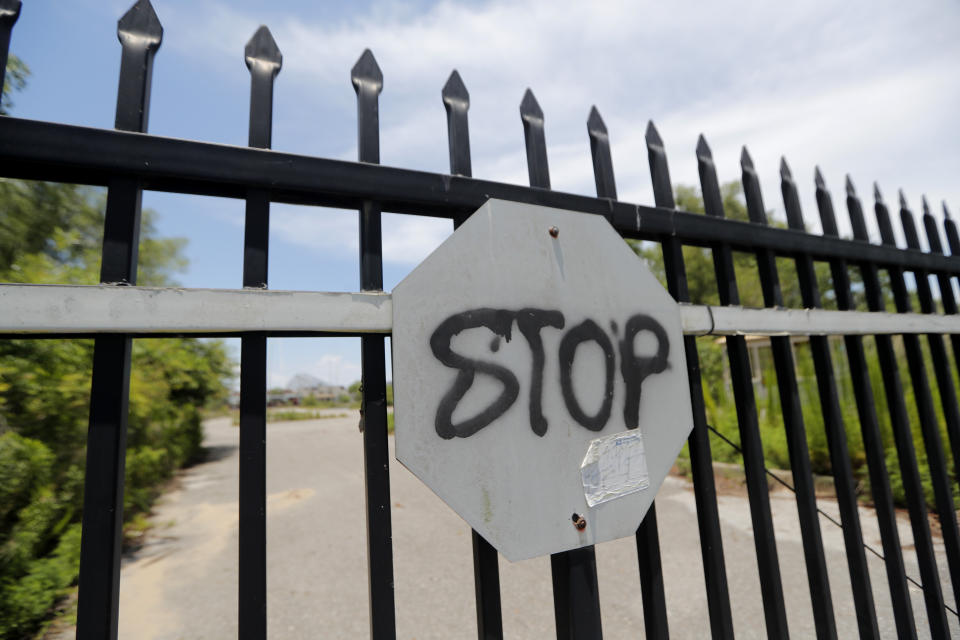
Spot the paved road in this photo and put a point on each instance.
(183, 583)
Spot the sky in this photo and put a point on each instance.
(865, 88)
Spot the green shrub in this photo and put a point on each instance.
(25, 601)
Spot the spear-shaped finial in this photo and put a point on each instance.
(595, 124)
(851, 192)
(946, 211)
(140, 34)
(925, 205)
(876, 193)
(903, 199)
(818, 178)
(532, 117)
(653, 136)
(262, 51)
(600, 153)
(791, 199)
(659, 171)
(10, 10)
(855, 210)
(529, 107)
(140, 22)
(454, 91)
(703, 149)
(366, 72)
(785, 174)
(456, 101)
(751, 189)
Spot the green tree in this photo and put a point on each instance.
(14, 80)
(701, 278)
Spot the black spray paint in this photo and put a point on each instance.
(499, 322)
(634, 369)
(586, 331)
(530, 322)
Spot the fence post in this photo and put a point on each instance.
(929, 426)
(948, 396)
(486, 569)
(701, 459)
(140, 34)
(775, 614)
(263, 59)
(833, 423)
(576, 597)
(368, 82)
(949, 307)
(893, 388)
(647, 538)
(783, 363)
(866, 410)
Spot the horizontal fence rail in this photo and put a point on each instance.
(67, 153)
(128, 161)
(57, 310)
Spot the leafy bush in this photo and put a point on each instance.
(44, 399)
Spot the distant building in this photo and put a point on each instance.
(279, 397)
(326, 393)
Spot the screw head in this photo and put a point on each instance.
(579, 521)
(554, 232)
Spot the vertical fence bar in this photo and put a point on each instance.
(833, 422)
(771, 587)
(866, 411)
(263, 59)
(950, 308)
(893, 388)
(576, 598)
(953, 241)
(833, 425)
(140, 34)
(929, 424)
(9, 12)
(486, 570)
(647, 537)
(950, 230)
(701, 459)
(368, 82)
(783, 363)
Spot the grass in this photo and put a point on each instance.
(289, 415)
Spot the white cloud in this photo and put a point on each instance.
(407, 239)
(861, 87)
(329, 231)
(329, 367)
(868, 88)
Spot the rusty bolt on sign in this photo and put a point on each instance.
(579, 522)
(554, 232)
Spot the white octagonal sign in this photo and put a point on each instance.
(540, 386)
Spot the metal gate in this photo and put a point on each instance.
(127, 161)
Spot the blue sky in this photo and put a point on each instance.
(869, 88)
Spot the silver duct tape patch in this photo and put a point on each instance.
(615, 466)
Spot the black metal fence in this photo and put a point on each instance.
(127, 162)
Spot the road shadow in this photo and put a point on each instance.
(216, 452)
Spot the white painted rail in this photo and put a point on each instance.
(75, 309)
(94, 309)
